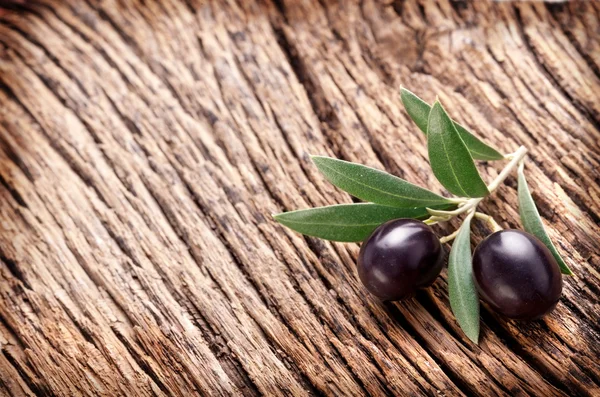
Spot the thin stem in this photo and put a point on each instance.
(449, 237)
(452, 236)
(517, 157)
(457, 200)
(449, 214)
(490, 221)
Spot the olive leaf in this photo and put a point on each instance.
(345, 222)
(532, 222)
(418, 110)
(370, 184)
(449, 157)
(461, 287)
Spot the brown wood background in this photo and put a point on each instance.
(144, 145)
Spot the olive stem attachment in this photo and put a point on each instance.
(449, 237)
(490, 221)
(471, 214)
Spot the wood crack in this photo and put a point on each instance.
(535, 55)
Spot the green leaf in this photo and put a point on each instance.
(532, 222)
(370, 184)
(345, 222)
(418, 110)
(449, 157)
(461, 287)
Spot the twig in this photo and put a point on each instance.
(471, 204)
(490, 221)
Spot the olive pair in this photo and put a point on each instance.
(515, 274)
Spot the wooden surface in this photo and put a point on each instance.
(144, 145)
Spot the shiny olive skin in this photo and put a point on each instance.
(516, 275)
(400, 256)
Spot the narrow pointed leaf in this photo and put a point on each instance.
(370, 184)
(461, 288)
(450, 160)
(418, 110)
(345, 222)
(532, 222)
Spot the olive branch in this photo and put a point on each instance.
(452, 150)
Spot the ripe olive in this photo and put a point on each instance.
(400, 256)
(517, 275)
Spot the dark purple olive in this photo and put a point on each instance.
(399, 257)
(516, 275)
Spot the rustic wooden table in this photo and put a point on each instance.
(144, 145)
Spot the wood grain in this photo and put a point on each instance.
(144, 145)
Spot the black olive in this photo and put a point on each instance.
(516, 275)
(400, 256)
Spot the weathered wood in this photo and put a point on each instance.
(144, 145)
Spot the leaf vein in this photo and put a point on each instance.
(379, 190)
(450, 164)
